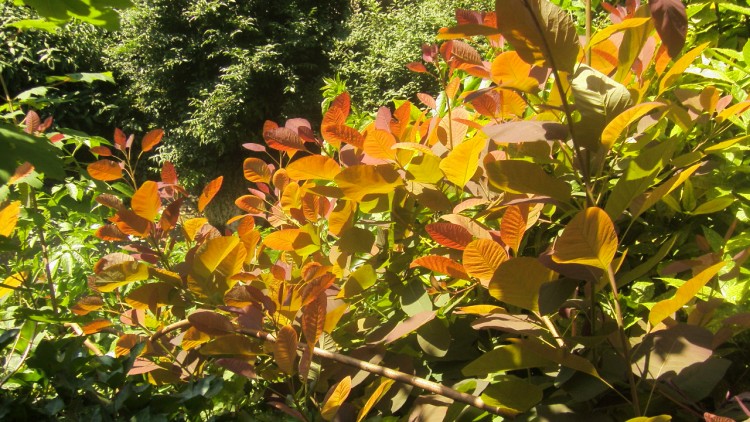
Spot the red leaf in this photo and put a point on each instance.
(110, 201)
(56, 137)
(254, 147)
(170, 215)
(168, 174)
(338, 134)
(211, 189)
(314, 319)
(670, 20)
(450, 235)
(238, 366)
(416, 67)
(102, 151)
(151, 139)
(21, 171)
(32, 122)
(120, 139)
(283, 139)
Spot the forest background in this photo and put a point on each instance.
(429, 203)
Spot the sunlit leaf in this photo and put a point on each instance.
(313, 167)
(339, 133)
(517, 282)
(250, 203)
(482, 257)
(96, 326)
(335, 397)
(210, 191)
(284, 139)
(379, 143)
(119, 275)
(462, 162)
(510, 71)
(146, 202)
(86, 305)
(126, 342)
(11, 283)
(588, 239)
(513, 227)
(618, 126)
(663, 190)
(192, 226)
(440, 264)
(282, 240)
(256, 170)
(104, 170)
(9, 217)
(609, 30)
(151, 139)
(338, 111)
(285, 349)
(314, 319)
(211, 254)
(449, 234)
(361, 180)
(517, 176)
(541, 32)
(150, 296)
(384, 384)
(678, 68)
(684, 294)
(110, 233)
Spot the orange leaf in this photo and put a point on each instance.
(125, 343)
(104, 170)
(449, 234)
(250, 204)
(211, 189)
(170, 215)
(133, 224)
(87, 304)
(146, 202)
(510, 71)
(338, 111)
(284, 139)
(192, 226)
(168, 173)
(441, 264)
(151, 139)
(338, 134)
(513, 227)
(256, 170)
(482, 257)
(102, 151)
(588, 239)
(314, 319)
(96, 326)
(285, 349)
(379, 143)
(517, 282)
(9, 218)
(110, 233)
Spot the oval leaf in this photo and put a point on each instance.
(256, 170)
(151, 139)
(146, 202)
(588, 239)
(517, 176)
(211, 323)
(104, 170)
(9, 218)
(449, 234)
(285, 349)
(441, 264)
(518, 280)
(335, 397)
(361, 180)
(209, 191)
(313, 167)
(482, 257)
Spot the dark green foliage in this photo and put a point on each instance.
(382, 37)
(210, 72)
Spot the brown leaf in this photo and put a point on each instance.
(670, 20)
(211, 323)
(285, 349)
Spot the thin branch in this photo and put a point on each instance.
(45, 254)
(89, 345)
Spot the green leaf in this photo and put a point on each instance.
(526, 131)
(84, 77)
(18, 147)
(42, 24)
(588, 239)
(517, 176)
(662, 190)
(518, 280)
(746, 53)
(434, 338)
(541, 32)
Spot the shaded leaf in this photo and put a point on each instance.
(513, 227)
(526, 131)
(211, 323)
(517, 282)
(670, 20)
(382, 388)
(86, 305)
(238, 366)
(512, 394)
(409, 326)
(517, 176)
(509, 357)
(663, 354)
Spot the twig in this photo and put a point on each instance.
(45, 254)
(172, 327)
(624, 339)
(89, 345)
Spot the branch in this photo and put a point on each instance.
(369, 367)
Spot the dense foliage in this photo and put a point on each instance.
(560, 233)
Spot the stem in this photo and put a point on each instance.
(588, 32)
(551, 327)
(624, 340)
(23, 357)
(45, 253)
(7, 95)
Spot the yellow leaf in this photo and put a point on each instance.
(313, 167)
(462, 162)
(11, 283)
(380, 390)
(588, 239)
(684, 294)
(665, 189)
(608, 31)
(335, 397)
(361, 180)
(518, 280)
(518, 176)
(250, 203)
(510, 71)
(9, 218)
(619, 125)
(212, 253)
(192, 226)
(146, 202)
(282, 240)
(193, 338)
(482, 257)
(285, 349)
